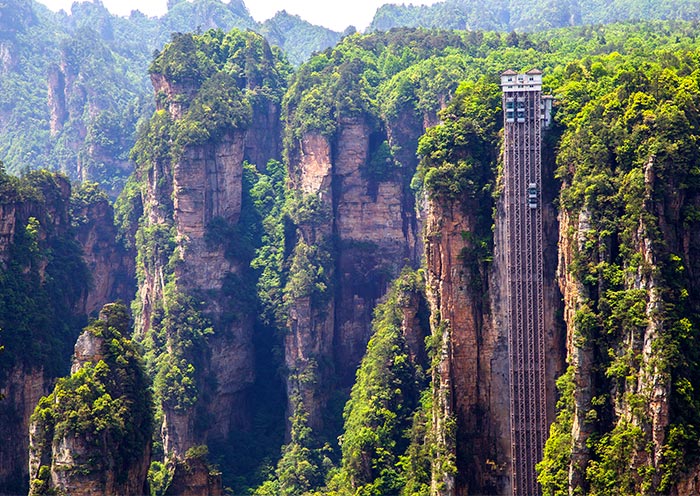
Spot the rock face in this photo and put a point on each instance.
(103, 446)
(582, 356)
(367, 221)
(110, 265)
(193, 273)
(472, 375)
(311, 318)
(22, 390)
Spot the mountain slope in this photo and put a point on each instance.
(74, 86)
(529, 15)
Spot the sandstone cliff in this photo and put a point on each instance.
(194, 477)
(205, 184)
(193, 260)
(29, 225)
(110, 265)
(627, 271)
(93, 434)
(94, 133)
(367, 227)
(471, 393)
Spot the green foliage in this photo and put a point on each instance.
(308, 274)
(553, 470)
(303, 464)
(83, 196)
(347, 82)
(382, 403)
(220, 76)
(631, 126)
(106, 59)
(179, 62)
(381, 165)
(106, 403)
(128, 209)
(159, 478)
(297, 37)
(614, 451)
(44, 277)
(415, 464)
(243, 55)
(530, 16)
(95, 87)
(269, 196)
(175, 342)
(459, 155)
(155, 140)
(217, 108)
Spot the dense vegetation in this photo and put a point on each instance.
(298, 38)
(386, 396)
(527, 17)
(628, 165)
(626, 133)
(384, 417)
(74, 87)
(96, 65)
(106, 403)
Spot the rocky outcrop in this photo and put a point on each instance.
(110, 265)
(375, 242)
(471, 378)
(193, 477)
(60, 270)
(194, 247)
(206, 192)
(21, 389)
(57, 100)
(264, 137)
(368, 222)
(688, 482)
(93, 434)
(206, 189)
(581, 356)
(67, 98)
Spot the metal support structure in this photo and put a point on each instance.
(522, 104)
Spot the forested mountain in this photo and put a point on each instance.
(315, 263)
(507, 15)
(74, 87)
